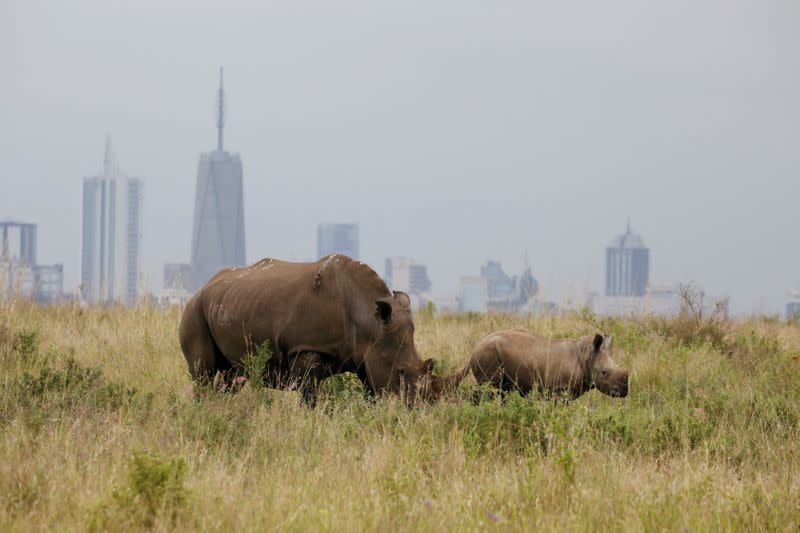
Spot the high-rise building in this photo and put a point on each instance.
(176, 289)
(218, 229)
(627, 265)
(403, 274)
(176, 276)
(500, 284)
(337, 239)
(18, 242)
(20, 275)
(17, 259)
(49, 283)
(112, 235)
(418, 280)
(793, 306)
(528, 287)
(495, 291)
(474, 294)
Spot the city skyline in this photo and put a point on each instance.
(533, 128)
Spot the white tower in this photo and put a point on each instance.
(112, 234)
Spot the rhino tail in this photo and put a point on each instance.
(454, 380)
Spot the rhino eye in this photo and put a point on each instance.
(604, 372)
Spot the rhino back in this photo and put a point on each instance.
(530, 360)
(294, 306)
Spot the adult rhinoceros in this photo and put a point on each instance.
(320, 319)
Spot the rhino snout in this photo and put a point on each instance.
(621, 390)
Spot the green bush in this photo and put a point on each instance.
(511, 423)
(70, 384)
(255, 364)
(74, 379)
(155, 489)
(26, 344)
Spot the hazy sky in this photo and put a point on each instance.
(452, 131)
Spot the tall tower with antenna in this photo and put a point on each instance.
(218, 228)
(220, 111)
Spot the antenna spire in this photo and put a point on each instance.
(220, 111)
(109, 162)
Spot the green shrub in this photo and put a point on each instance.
(255, 364)
(72, 383)
(342, 388)
(220, 421)
(511, 423)
(26, 344)
(155, 488)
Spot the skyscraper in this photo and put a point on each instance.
(17, 259)
(499, 292)
(500, 284)
(793, 306)
(18, 242)
(403, 274)
(112, 234)
(337, 239)
(20, 274)
(218, 229)
(627, 265)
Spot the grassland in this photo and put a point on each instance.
(97, 432)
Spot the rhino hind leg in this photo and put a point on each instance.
(487, 367)
(489, 373)
(203, 356)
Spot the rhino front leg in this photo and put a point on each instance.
(306, 371)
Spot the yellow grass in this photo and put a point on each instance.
(97, 432)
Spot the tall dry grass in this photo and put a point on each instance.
(97, 432)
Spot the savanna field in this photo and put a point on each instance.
(98, 432)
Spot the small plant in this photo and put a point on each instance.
(21, 487)
(255, 364)
(155, 487)
(342, 388)
(696, 324)
(74, 379)
(26, 344)
(73, 384)
(5, 338)
(566, 461)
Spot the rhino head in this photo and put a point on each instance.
(397, 366)
(603, 373)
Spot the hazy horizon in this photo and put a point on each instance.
(453, 133)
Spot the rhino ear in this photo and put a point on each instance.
(427, 365)
(607, 342)
(403, 299)
(598, 342)
(383, 310)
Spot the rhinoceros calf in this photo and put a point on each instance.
(517, 359)
(335, 315)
